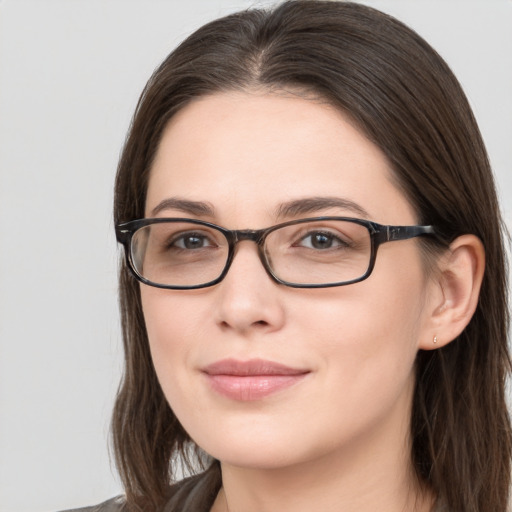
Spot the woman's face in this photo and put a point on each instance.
(343, 356)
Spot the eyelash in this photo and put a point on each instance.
(173, 242)
(333, 238)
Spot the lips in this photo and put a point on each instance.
(251, 380)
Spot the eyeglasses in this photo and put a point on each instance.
(320, 252)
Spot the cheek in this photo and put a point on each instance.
(171, 324)
(365, 350)
(368, 333)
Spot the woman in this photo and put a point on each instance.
(314, 294)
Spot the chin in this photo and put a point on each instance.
(255, 456)
(257, 448)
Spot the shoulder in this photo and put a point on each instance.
(193, 494)
(112, 505)
(196, 493)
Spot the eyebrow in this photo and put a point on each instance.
(198, 208)
(315, 204)
(293, 208)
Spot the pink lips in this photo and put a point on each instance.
(251, 380)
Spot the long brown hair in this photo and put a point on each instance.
(403, 96)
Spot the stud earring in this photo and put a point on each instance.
(435, 339)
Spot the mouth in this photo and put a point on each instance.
(251, 380)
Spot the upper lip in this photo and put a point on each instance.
(251, 367)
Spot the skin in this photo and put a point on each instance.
(339, 438)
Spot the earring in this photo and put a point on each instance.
(435, 339)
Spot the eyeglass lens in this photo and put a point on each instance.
(314, 252)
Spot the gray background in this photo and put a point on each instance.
(70, 75)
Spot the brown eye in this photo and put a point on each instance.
(321, 240)
(191, 241)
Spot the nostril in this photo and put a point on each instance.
(259, 323)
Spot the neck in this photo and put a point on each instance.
(303, 490)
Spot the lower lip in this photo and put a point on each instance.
(251, 387)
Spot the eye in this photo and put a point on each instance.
(191, 241)
(321, 240)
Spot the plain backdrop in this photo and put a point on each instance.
(70, 75)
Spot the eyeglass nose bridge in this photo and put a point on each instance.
(252, 235)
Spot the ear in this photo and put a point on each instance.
(454, 292)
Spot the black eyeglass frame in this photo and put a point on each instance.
(379, 234)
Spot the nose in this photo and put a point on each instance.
(248, 299)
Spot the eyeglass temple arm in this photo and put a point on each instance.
(405, 232)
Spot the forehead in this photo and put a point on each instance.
(247, 153)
